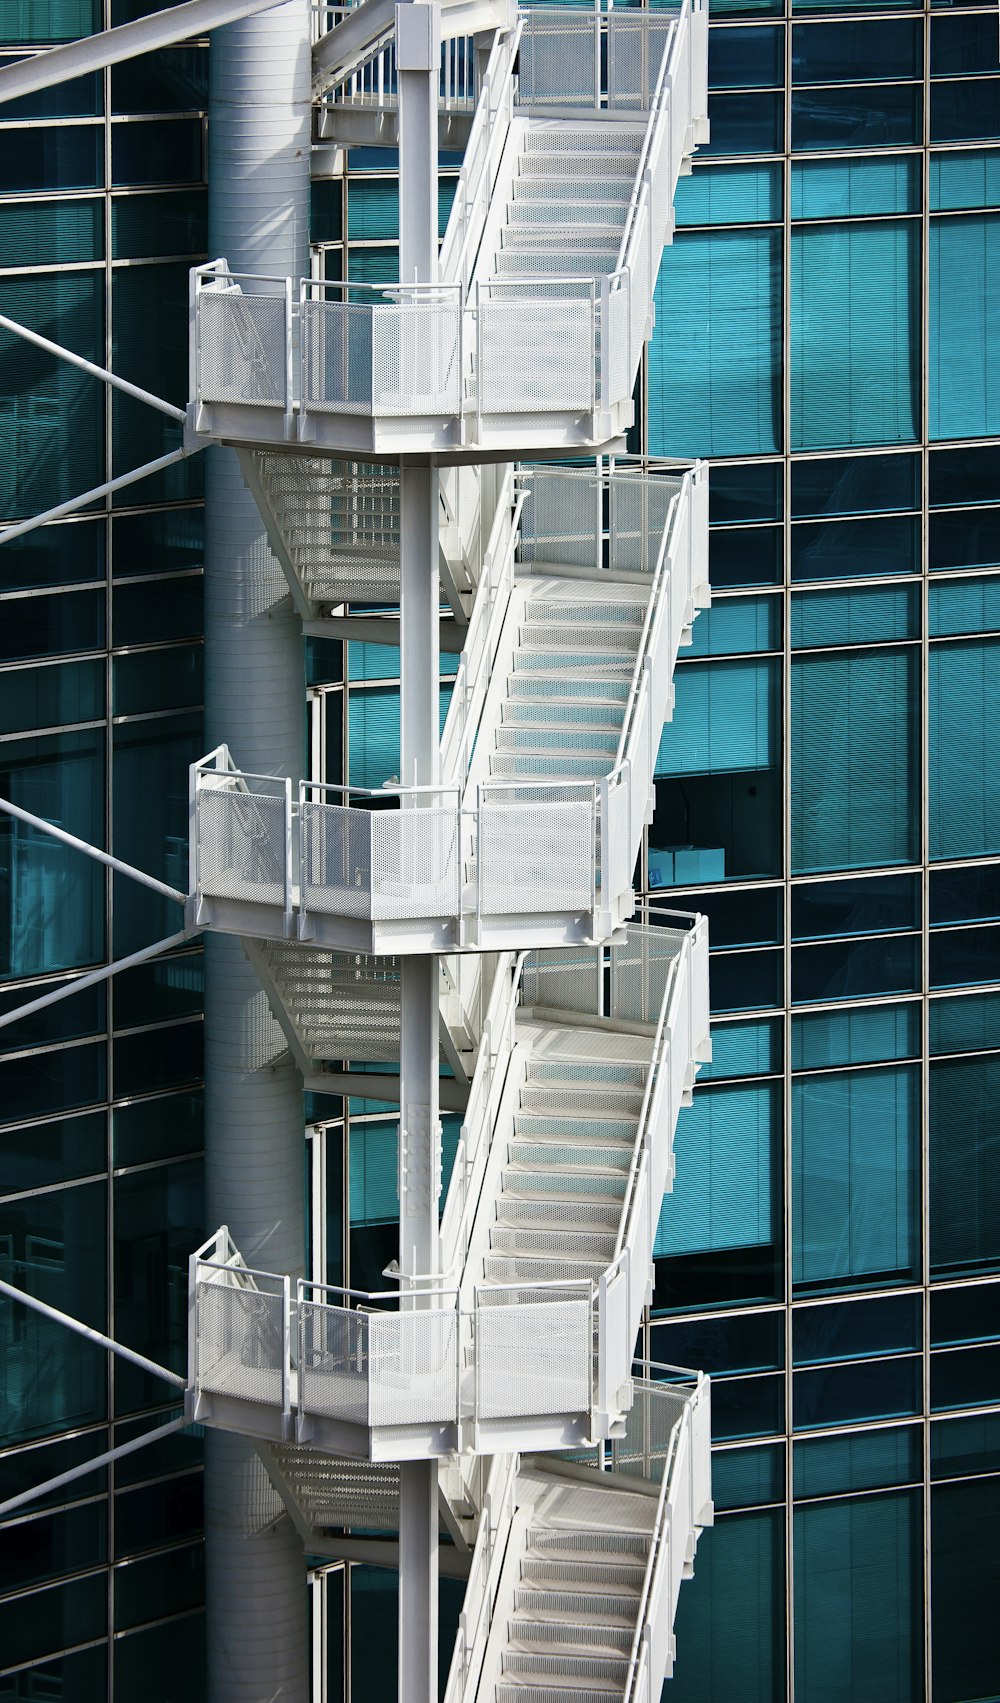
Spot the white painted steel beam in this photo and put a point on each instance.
(125, 41)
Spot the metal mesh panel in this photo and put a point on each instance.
(535, 859)
(241, 347)
(333, 1362)
(561, 519)
(415, 353)
(342, 1004)
(533, 1357)
(635, 51)
(240, 1342)
(566, 979)
(340, 524)
(556, 63)
(649, 1425)
(415, 863)
(414, 1367)
(336, 866)
(640, 970)
(241, 845)
(337, 357)
(639, 507)
(535, 354)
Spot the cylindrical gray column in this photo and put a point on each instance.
(258, 1648)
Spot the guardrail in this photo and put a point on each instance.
(382, 1360)
(473, 192)
(498, 1514)
(658, 979)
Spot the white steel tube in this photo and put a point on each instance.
(259, 139)
(81, 1471)
(91, 851)
(91, 1334)
(89, 366)
(78, 983)
(71, 504)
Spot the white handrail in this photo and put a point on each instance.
(475, 669)
(499, 1507)
(487, 135)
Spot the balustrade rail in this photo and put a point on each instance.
(382, 1360)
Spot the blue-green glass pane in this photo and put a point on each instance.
(52, 426)
(855, 334)
(53, 1246)
(751, 555)
(374, 1179)
(150, 337)
(735, 626)
(746, 58)
(40, 232)
(962, 1447)
(725, 719)
(856, 1181)
(872, 904)
(850, 549)
(964, 606)
(714, 383)
(174, 79)
(966, 111)
(858, 1600)
(836, 189)
(965, 1025)
(854, 760)
(888, 115)
(44, 1622)
(51, 158)
(747, 1407)
(151, 761)
(52, 895)
(725, 1194)
(751, 493)
(964, 538)
(741, 1342)
(965, 326)
(729, 195)
(856, 617)
(965, 1589)
(158, 680)
(169, 1583)
(149, 1268)
(173, 222)
(166, 151)
(744, 1478)
(830, 1466)
(965, 1165)
(845, 1395)
(962, 957)
(866, 1036)
(854, 484)
(833, 1331)
(963, 46)
(51, 697)
(743, 1049)
(866, 52)
(965, 180)
(25, 22)
(964, 692)
(372, 209)
(740, 1585)
(855, 969)
(745, 123)
(373, 266)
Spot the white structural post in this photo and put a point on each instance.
(418, 57)
(259, 136)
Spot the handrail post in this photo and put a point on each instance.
(288, 857)
(286, 1357)
(289, 346)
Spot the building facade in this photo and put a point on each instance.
(826, 792)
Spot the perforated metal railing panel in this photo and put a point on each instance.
(240, 1342)
(533, 1355)
(343, 1005)
(535, 852)
(241, 347)
(241, 845)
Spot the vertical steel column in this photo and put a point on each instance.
(258, 1645)
(418, 56)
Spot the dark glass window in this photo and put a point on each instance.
(829, 1466)
(865, 52)
(965, 1165)
(870, 1389)
(854, 484)
(748, 493)
(740, 1579)
(965, 1589)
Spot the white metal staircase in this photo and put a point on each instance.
(574, 1491)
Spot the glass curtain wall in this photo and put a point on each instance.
(102, 211)
(827, 792)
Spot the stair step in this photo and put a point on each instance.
(596, 136)
(550, 1540)
(578, 1127)
(605, 1608)
(598, 1096)
(616, 610)
(562, 264)
(567, 1184)
(600, 241)
(569, 1244)
(571, 1637)
(614, 191)
(547, 1692)
(583, 634)
(602, 1673)
(551, 741)
(501, 1268)
(582, 1214)
(592, 667)
(567, 690)
(587, 1575)
(567, 165)
(598, 1071)
(529, 213)
(510, 767)
(575, 717)
(581, 1154)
